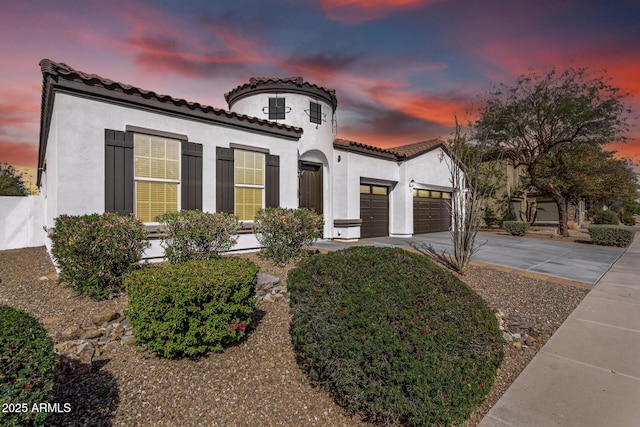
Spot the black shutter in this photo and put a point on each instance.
(118, 188)
(191, 176)
(224, 180)
(272, 181)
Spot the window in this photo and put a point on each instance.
(373, 189)
(157, 176)
(249, 183)
(315, 112)
(276, 108)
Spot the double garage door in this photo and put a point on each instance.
(431, 211)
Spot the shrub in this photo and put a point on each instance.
(516, 228)
(27, 367)
(611, 235)
(393, 336)
(94, 251)
(605, 217)
(490, 217)
(198, 235)
(191, 308)
(284, 232)
(627, 218)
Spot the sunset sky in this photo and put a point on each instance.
(401, 68)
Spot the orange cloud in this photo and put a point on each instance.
(630, 149)
(23, 155)
(435, 108)
(358, 11)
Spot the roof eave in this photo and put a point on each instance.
(53, 83)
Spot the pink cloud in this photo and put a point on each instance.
(18, 154)
(358, 11)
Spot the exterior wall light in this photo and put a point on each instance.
(441, 156)
(412, 184)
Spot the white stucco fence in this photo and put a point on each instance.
(22, 221)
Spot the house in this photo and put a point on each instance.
(109, 146)
(523, 203)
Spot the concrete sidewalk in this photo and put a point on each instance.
(588, 373)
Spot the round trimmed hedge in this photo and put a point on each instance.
(27, 367)
(393, 336)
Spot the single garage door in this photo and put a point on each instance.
(374, 210)
(431, 211)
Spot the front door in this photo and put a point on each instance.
(310, 185)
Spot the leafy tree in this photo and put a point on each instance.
(11, 181)
(588, 172)
(536, 121)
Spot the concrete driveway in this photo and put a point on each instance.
(573, 261)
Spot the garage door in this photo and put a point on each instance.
(374, 210)
(431, 211)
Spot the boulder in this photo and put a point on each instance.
(104, 316)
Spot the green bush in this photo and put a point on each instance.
(94, 251)
(490, 217)
(191, 308)
(516, 228)
(627, 218)
(611, 235)
(605, 217)
(284, 232)
(393, 336)
(27, 367)
(197, 235)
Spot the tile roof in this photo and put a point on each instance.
(282, 82)
(58, 76)
(417, 148)
(64, 71)
(402, 152)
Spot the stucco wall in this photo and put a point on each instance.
(316, 143)
(425, 170)
(22, 220)
(75, 168)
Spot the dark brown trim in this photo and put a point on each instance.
(385, 155)
(64, 79)
(248, 148)
(375, 181)
(347, 223)
(272, 87)
(154, 132)
(433, 187)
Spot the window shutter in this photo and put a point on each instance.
(191, 176)
(224, 180)
(118, 188)
(272, 181)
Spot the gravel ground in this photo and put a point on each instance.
(257, 381)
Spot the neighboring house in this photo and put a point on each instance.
(108, 146)
(522, 200)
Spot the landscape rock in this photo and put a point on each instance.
(91, 333)
(75, 355)
(267, 288)
(128, 340)
(104, 316)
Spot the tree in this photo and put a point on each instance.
(589, 173)
(536, 121)
(474, 179)
(11, 181)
